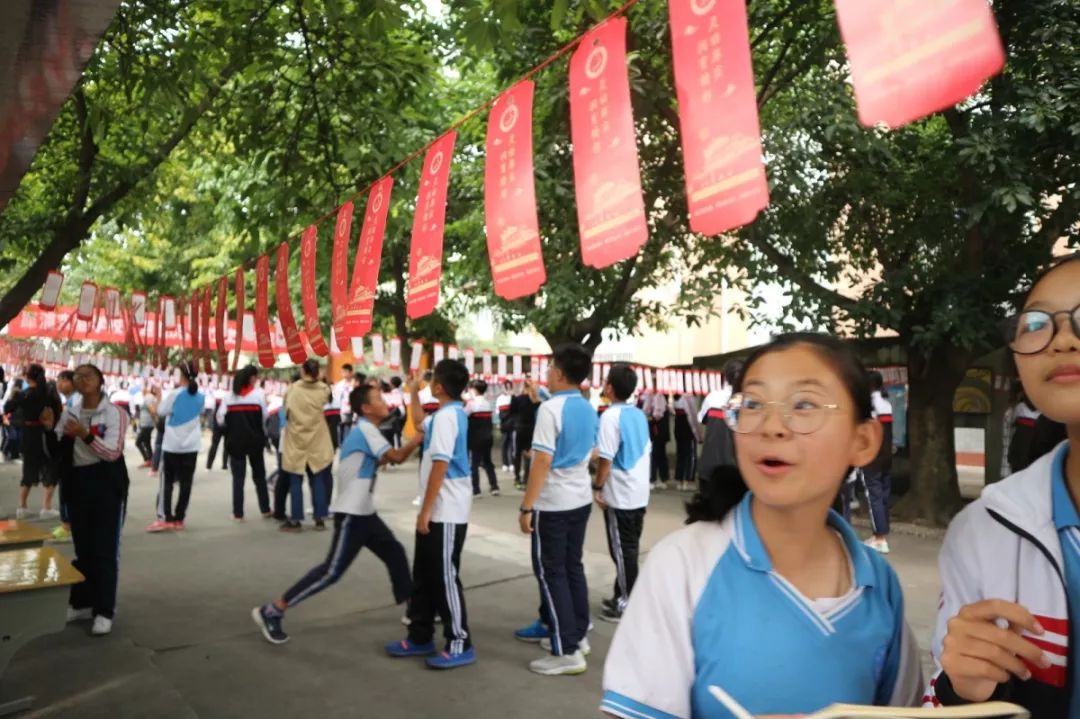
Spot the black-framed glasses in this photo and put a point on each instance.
(801, 414)
(1032, 331)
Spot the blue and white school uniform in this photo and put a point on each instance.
(709, 610)
(436, 582)
(624, 441)
(356, 524)
(566, 428)
(180, 447)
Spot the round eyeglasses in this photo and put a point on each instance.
(800, 414)
(1032, 331)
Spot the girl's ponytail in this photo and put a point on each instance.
(187, 369)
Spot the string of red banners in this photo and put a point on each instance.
(905, 64)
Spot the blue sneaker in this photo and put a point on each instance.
(446, 660)
(270, 625)
(533, 633)
(405, 648)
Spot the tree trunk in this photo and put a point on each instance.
(22, 293)
(932, 381)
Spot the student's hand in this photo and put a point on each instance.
(423, 521)
(598, 495)
(525, 522)
(978, 654)
(47, 419)
(73, 428)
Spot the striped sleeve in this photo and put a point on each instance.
(111, 446)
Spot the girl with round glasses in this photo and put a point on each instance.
(768, 595)
(1011, 560)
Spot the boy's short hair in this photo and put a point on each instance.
(480, 386)
(66, 374)
(623, 380)
(346, 368)
(428, 375)
(452, 375)
(877, 382)
(573, 360)
(359, 397)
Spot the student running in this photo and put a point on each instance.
(768, 594)
(356, 524)
(1010, 564)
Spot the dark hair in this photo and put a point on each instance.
(360, 396)
(480, 386)
(66, 374)
(187, 369)
(295, 377)
(877, 382)
(384, 386)
(395, 382)
(428, 376)
(573, 360)
(733, 372)
(243, 378)
(311, 368)
(623, 380)
(36, 372)
(346, 367)
(452, 375)
(1054, 265)
(726, 487)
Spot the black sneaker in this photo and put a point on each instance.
(609, 603)
(495, 492)
(291, 526)
(320, 525)
(270, 625)
(611, 615)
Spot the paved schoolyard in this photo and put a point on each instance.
(184, 645)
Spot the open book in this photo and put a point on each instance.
(989, 710)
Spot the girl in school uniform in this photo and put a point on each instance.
(242, 415)
(182, 409)
(768, 595)
(89, 439)
(1010, 564)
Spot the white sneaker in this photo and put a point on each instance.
(551, 666)
(102, 626)
(22, 513)
(583, 646)
(416, 502)
(49, 514)
(79, 615)
(879, 545)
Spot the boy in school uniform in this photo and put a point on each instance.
(622, 482)
(356, 524)
(555, 511)
(441, 525)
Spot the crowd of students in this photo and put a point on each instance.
(766, 570)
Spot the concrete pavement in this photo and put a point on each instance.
(183, 644)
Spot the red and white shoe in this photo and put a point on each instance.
(178, 526)
(159, 525)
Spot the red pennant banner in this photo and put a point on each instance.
(112, 302)
(284, 307)
(911, 59)
(262, 312)
(377, 351)
(219, 325)
(339, 274)
(425, 257)
(204, 325)
(395, 353)
(513, 231)
(365, 276)
(195, 318)
(721, 137)
(607, 179)
(87, 301)
(138, 309)
(307, 292)
(241, 315)
(50, 291)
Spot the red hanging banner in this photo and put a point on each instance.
(307, 292)
(911, 59)
(425, 257)
(195, 317)
(219, 325)
(138, 309)
(207, 305)
(365, 278)
(262, 312)
(718, 119)
(513, 231)
(339, 274)
(241, 314)
(87, 301)
(284, 307)
(607, 179)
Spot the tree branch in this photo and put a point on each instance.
(1061, 222)
(786, 266)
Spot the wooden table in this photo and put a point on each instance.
(15, 534)
(34, 587)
